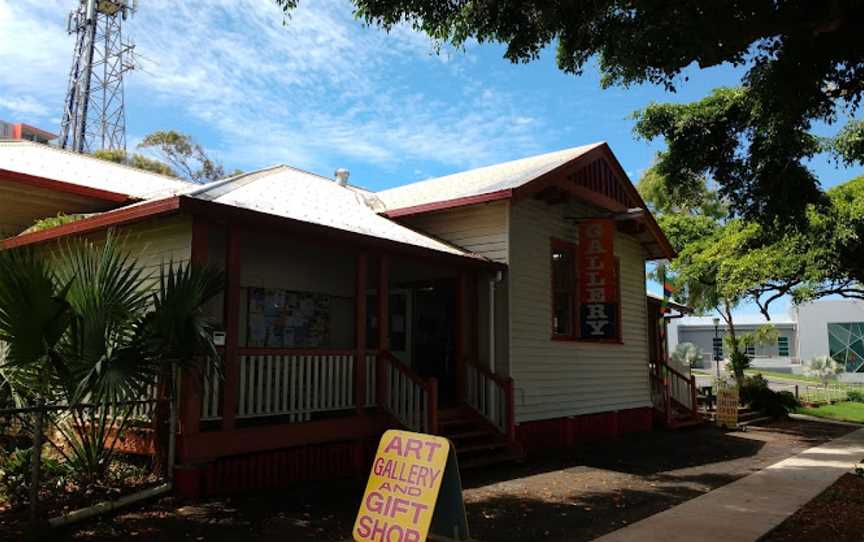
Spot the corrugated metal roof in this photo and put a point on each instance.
(79, 169)
(476, 182)
(292, 193)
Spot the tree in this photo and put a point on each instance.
(134, 160)
(686, 355)
(184, 156)
(804, 63)
(824, 368)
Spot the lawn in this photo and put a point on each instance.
(844, 412)
(783, 376)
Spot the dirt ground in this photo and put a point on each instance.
(597, 489)
(837, 514)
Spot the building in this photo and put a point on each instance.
(699, 330)
(504, 307)
(833, 327)
(827, 327)
(25, 132)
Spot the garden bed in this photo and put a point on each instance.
(61, 495)
(837, 515)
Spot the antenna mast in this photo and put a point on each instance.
(94, 114)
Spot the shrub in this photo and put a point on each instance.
(756, 393)
(856, 396)
(824, 368)
(15, 475)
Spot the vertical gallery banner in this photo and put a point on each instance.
(598, 281)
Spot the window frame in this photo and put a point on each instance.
(556, 245)
(783, 346)
(575, 336)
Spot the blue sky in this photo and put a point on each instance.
(321, 91)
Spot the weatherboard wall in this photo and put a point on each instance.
(555, 379)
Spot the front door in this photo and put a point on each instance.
(434, 334)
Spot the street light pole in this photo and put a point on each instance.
(717, 353)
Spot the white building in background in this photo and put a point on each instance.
(833, 327)
(701, 331)
(828, 327)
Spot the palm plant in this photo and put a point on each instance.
(85, 328)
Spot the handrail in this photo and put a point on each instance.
(501, 380)
(676, 372)
(667, 377)
(407, 371)
(270, 351)
(407, 412)
(479, 397)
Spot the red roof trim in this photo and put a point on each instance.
(124, 215)
(449, 204)
(62, 186)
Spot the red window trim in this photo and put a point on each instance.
(555, 243)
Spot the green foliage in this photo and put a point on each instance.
(855, 396)
(754, 391)
(844, 412)
(34, 316)
(803, 62)
(85, 326)
(184, 155)
(664, 198)
(135, 160)
(53, 221)
(686, 354)
(15, 475)
(739, 362)
(824, 368)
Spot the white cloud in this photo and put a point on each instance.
(314, 91)
(23, 106)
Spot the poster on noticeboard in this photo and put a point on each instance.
(286, 319)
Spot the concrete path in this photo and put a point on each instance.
(750, 507)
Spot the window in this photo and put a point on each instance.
(717, 344)
(750, 350)
(783, 346)
(563, 265)
(846, 345)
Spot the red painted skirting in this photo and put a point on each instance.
(546, 436)
(276, 469)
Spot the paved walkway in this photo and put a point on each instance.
(750, 507)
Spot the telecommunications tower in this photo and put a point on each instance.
(94, 114)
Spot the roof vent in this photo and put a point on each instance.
(342, 176)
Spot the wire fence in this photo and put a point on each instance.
(819, 393)
(42, 446)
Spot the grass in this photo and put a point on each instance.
(844, 412)
(784, 376)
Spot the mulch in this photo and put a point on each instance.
(594, 490)
(837, 514)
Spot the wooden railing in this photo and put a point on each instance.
(492, 396)
(411, 399)
(670, 387)
(294, 383)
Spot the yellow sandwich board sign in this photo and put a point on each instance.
(727, 407)
(414, 491)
